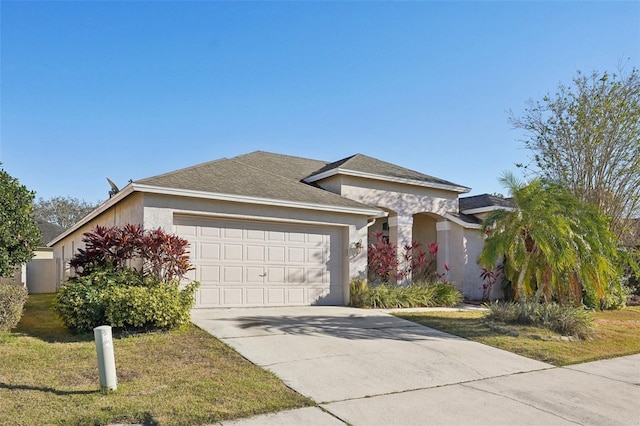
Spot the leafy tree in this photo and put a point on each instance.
(63, 211)
(555, 245)
(19, 233)
(586, 137)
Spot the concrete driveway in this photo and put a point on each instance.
(366, 367)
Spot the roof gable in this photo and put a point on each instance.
(365, 166)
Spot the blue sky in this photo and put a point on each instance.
(128, 90)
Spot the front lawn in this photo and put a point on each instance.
(49, 376)
(617, 333)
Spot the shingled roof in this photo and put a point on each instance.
(372, 166)
(484, 201)
(48, 230)
(259, 175)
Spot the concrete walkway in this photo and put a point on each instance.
(366, 367)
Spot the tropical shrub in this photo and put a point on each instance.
(566, 320)
(557, 247)
(387, 296)
(12, 299)
(386, 267)
(154, 253)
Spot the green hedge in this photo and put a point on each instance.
(12, 299)
(125, 300)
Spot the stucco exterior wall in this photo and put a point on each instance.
(405, 200)
(424, 229)
(473, 243)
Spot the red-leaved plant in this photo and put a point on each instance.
(158, 255)
(384, 265)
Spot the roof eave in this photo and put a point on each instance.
(347, 172)
(486, 209)
(370, 212)
(462, 223)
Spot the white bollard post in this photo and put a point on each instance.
(106, 359)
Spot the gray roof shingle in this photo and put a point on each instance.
(365, 164)
(49, 231)
(253, 176)
(483, 200)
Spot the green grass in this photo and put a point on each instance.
(49, 376)
(617, 333)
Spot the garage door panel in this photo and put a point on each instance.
(315, 255)
(209, 251)
(276, 275)
(186, 230)
(255, 296)
(296, 255)
(209, 232)
(232, 233)
(209, 274)
(254, 253)
(276, 254)
(316, 238)
(254, 274)
(253, 234)
(315, 276)
(296, 237)
(232, 252)
(275, 296)
(232, 297)
(208, 297)
(233, 274)
(249, 263)
(296, 296)
(276, 236)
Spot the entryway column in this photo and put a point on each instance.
(400, 234)
(443, 230)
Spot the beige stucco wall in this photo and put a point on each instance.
(43, 253)
(473, 243)
(424, 229)
(405, 200)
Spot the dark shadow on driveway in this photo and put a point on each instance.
(347, 327)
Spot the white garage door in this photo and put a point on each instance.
(246, 263)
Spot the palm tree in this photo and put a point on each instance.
(555, 245)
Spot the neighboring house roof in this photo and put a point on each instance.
(483, 203)
(49, 231)
(364, 166)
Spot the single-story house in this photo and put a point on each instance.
(267, 229)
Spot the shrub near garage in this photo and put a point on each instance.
(128, 278)
(386, 275)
